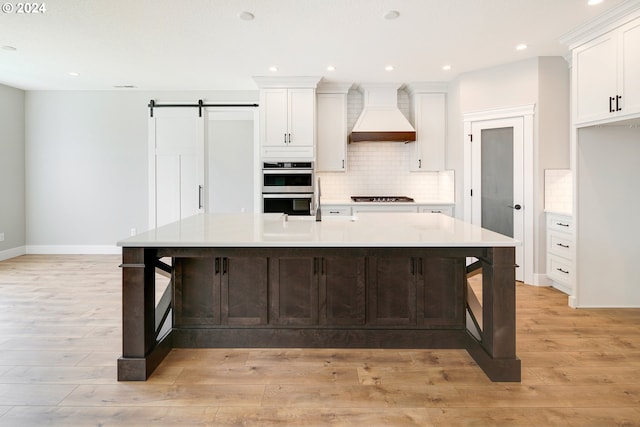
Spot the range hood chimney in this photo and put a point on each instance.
(381, 120)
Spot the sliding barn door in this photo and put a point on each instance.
(176, 165)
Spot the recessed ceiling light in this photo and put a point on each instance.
(9, 48)
(273, 69)
(73, 74)
(594, 2)
(246, 16)
(391, 15)
(389, 68)
(331, 68)
(446, 67)
(521, 46)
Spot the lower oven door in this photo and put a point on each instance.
(291, 204)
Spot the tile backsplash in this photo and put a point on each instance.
(558, 194)
(382, 168)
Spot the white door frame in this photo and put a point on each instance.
(526, 112)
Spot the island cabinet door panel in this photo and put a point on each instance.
(342, 291)
(243, 290)
(293, 291)
(443, 299)
(196, 292)
(392, 283)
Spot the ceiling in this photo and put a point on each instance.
(205, 45)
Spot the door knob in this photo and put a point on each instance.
(516, 207)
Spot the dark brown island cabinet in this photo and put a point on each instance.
(304, 287)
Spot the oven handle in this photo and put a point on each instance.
(286, 171)
(288, 196)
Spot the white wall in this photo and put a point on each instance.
(12, 174)
(86, 165)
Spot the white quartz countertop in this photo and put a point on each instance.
(379, 229)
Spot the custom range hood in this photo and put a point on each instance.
(381, 120)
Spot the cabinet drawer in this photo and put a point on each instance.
(559, 269)
(560, 244)
(447, 210)
(560, 223)
(336, 210)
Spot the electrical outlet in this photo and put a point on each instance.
(133, 232)
(1, 237)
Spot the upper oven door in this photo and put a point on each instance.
(287, 181)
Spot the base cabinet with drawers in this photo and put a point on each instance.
(560, 251)
(353, 209)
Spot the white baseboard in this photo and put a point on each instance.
(12, 253)
(74, 250)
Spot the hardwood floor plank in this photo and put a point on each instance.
(109, 416)
(283, 374)
(319, 417)
(527, 417)
(154, 394)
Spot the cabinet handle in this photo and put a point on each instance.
(199, 196)
(285, 137)
(611, 99)
(225, 262)
(413, 266)
(217, 266)
(618, 98)
(562, 224)
(342, 164)
(562, 271)
(334, 212)
(562, 245)
(419, 163)
(289, 138)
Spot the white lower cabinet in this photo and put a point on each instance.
(352, 209)
(384, 208)
(560, 251)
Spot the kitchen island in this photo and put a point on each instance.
(378, 280)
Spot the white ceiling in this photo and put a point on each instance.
(203, 45)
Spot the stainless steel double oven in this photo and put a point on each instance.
(288, 187)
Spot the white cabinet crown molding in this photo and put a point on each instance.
(602, 24)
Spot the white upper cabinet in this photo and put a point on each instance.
(331, 149)
(288, 118)
(430, 120)
(605, 83)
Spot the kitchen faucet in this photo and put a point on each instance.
(318, 210)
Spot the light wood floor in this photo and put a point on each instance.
(60, 335)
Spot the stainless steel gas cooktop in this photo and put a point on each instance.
(382, 199)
